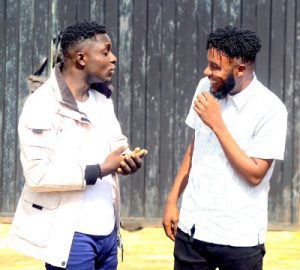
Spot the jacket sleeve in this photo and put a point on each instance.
(48, 163)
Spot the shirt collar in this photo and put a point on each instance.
(241, 98)
(103, 88)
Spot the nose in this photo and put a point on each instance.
(207, 71)
(113, 58)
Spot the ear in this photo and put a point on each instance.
(80, 59)
(240, 70)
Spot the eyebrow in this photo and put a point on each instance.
(107, 46)
(214, 63)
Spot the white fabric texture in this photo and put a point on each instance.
(224, 208)
(97, 212)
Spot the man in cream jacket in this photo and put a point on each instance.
(71, 149)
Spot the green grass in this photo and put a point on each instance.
(149, 249)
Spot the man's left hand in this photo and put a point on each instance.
(208, 109)
(132, 162)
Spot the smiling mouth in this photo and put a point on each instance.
(213, 85)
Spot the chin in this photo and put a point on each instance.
(213, 90)
(108, 78)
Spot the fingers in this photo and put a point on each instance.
(202, 99)
(205, 97)
(132, 162)
(198, 106)
(120, 171)
(208, 96)
(121, 149)
(203, 102)
(125, 168)
(174, 229)
(170, 220)
(169, 230)
(137, 157)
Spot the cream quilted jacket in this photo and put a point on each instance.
(50, 131)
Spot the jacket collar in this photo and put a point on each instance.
(67, 97)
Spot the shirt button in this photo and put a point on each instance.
(63, 263)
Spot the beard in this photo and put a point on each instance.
(225, 89)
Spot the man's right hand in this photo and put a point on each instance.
(170, 220)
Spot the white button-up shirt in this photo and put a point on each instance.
(224, 208)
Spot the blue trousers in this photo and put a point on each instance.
(91, 252)
(192, 254)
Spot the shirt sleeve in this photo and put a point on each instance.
(270, 135)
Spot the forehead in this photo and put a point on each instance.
(218, 57)
(100, 41)
(103, 38)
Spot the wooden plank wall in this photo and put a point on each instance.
(160, 45)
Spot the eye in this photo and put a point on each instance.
(107, 50)
(213, 66)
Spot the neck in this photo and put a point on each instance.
(244, 82)
(76, 83)
(247, 80)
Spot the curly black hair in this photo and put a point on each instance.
(78, 32)
(235, 43)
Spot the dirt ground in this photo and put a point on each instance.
(149, 249)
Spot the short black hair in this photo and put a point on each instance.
(78, 32)
(235, 43)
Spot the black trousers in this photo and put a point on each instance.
(192, 254)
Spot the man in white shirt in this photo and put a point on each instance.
(72, 147)
(240, 129)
